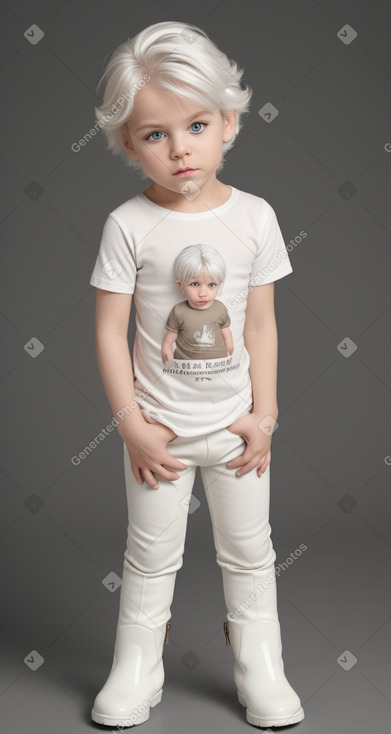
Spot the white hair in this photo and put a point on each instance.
(180, 58)
(195, 259)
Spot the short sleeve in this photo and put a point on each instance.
(224, 319)
(271, 261)
(172, 323)
(115, 266)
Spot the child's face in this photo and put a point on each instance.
(200, 291)
(176, 133)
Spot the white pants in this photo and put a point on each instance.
(239, 510)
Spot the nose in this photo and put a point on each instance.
(179, 147)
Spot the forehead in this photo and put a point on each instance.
(153, 104)
(203, 275)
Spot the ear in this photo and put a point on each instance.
(180, 286)
(230, 120)
(126, 142)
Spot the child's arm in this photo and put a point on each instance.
(261, 341)
(168, 341)
(227, 336)
(112, 349)
(146, 442)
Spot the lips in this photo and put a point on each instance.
(182, 171)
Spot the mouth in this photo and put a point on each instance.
(185, 171)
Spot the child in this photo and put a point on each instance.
(186, 325)
(172, 107)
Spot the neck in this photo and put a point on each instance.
(208, 197)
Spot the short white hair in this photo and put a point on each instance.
(195, 259)
(180, 58)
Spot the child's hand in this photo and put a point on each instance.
(147, 452)
(229, 344)
(257, 454)
(167, 353)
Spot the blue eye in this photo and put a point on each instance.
(197, 123)
(155, 133)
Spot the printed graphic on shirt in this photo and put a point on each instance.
(202, 370)
(199, 326)
(199, 334)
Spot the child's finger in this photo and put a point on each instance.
(150, 478)
(171, 461)
(246, 468)
(165, 473)
(238, 461)
(262, 468)
(166, 467)
(137, 474)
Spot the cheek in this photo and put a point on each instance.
(150, 155)
(215, 141)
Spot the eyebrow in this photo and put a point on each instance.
(159, 124)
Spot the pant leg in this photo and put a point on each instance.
(239, 510)
(157, 523)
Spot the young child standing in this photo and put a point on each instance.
(172, 108)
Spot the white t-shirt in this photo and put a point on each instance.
(140, 241)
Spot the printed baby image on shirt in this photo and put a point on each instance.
(198, 326)
(199, 333)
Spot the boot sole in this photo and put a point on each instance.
(266, 721)
(125, 721)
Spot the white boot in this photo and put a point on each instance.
(136, 678)
(253, 631)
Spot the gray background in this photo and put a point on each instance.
(323, 163)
